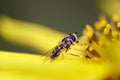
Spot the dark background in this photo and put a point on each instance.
(63, 15)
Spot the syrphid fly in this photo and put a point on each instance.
(65, 43)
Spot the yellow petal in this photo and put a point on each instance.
(110, 6)
(38, 37)
(30, 67)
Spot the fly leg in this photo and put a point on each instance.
(73, 54)
(67, 48)
(62, 55)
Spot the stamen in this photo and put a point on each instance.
(103, 28)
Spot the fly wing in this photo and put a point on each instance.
(47, 55)
(50, 51)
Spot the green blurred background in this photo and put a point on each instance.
(63, 15)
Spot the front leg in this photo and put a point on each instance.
(67, 48)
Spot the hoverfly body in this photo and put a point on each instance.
(65, 43)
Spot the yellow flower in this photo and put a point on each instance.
(110, 7)
(98, 52)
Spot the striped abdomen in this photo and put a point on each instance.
(56, 52)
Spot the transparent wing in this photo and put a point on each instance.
(48, 52)
(47, 55)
